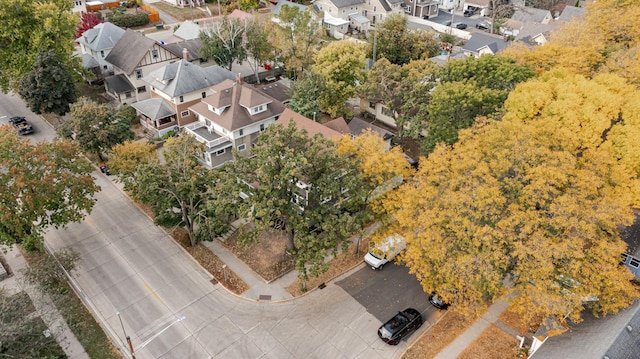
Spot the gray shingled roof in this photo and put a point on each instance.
(277, 90)
(344, 3)
(154, 108)
(229, 93)
(119, 84)
(193, 48)
(188, 30)
(479, 40)
(533, 29)
(597, 338)
(358, 126)
(183, 77)
(570, 12)
(88, 62)
(103, 36)
(129, 51)
(530, 14)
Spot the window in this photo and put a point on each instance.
(242, 147)
(181, 99)
(102, 54)
(635, 263)
(372, 104)
(128, 95)
(142, 89)
(138, 74)
(374, 9)
(154, 53)
(240, 132)
(105, 67)
(184, 113)
(261, 127)
(204, 94)
(221, 152)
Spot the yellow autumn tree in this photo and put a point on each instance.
(600, 41)
(530, 206)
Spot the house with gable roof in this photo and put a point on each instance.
(482, 43)
(377, 10)
(349, 10)
(175, 87)
(97, 42)
(525, 15)
(231, 117)
(133, 57)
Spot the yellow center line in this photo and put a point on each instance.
(153, 293)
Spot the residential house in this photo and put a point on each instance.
(631, 235)
(612, 336)
(525, 15)
(373, 108)
(424, 9)
(275, 11)
(569, 13)
(278, 90)
(175, 87)
(377, 10)
(231, 117)
(133, 57)
(188, 30)
(481, 7)
(449, 5)
(535, 34)
(350, 10)
(357, 126)
(482, 43)
(192, 53)
(98, 42)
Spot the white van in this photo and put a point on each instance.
(385, 251)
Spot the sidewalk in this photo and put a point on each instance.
(467, 337)
(44, 305)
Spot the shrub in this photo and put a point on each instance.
(129, 20)
(169, 134)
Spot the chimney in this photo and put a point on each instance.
(185, 54)
(238, 78)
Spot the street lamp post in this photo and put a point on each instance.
(146, 342)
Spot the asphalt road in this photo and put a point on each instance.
(12, 105)
(138, 283)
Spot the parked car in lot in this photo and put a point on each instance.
(468, 13)
(400, 326)
(437, 302)
(385, 251)
(21, 124)
(460, 25)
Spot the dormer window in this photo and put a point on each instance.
(181, 99)
(154, 53)
(204, 94)
(259, 109)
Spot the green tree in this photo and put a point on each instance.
(49, 87)
(28, 28)
(259, 50)
(299, 186)
(183, 193)
(95, 127)
(342, 64)
(469, 88)
(403, 90)
(246, 5)
(454, 106)
(296, 38)
(306, 93)
(530, 206)
(44, 185)
(395, 42)
(222, 42)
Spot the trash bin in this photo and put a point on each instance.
(159, 26)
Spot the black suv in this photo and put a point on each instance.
(400, 326)
(20, 123)
(467, 13)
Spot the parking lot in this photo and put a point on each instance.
(384, 293)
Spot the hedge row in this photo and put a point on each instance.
(129, 20)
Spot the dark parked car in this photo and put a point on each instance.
(21, 124)
(468, 13)
(15, 121)
(461, 25)
(400, 326)
(437, 302)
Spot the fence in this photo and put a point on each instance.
(154, 16)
